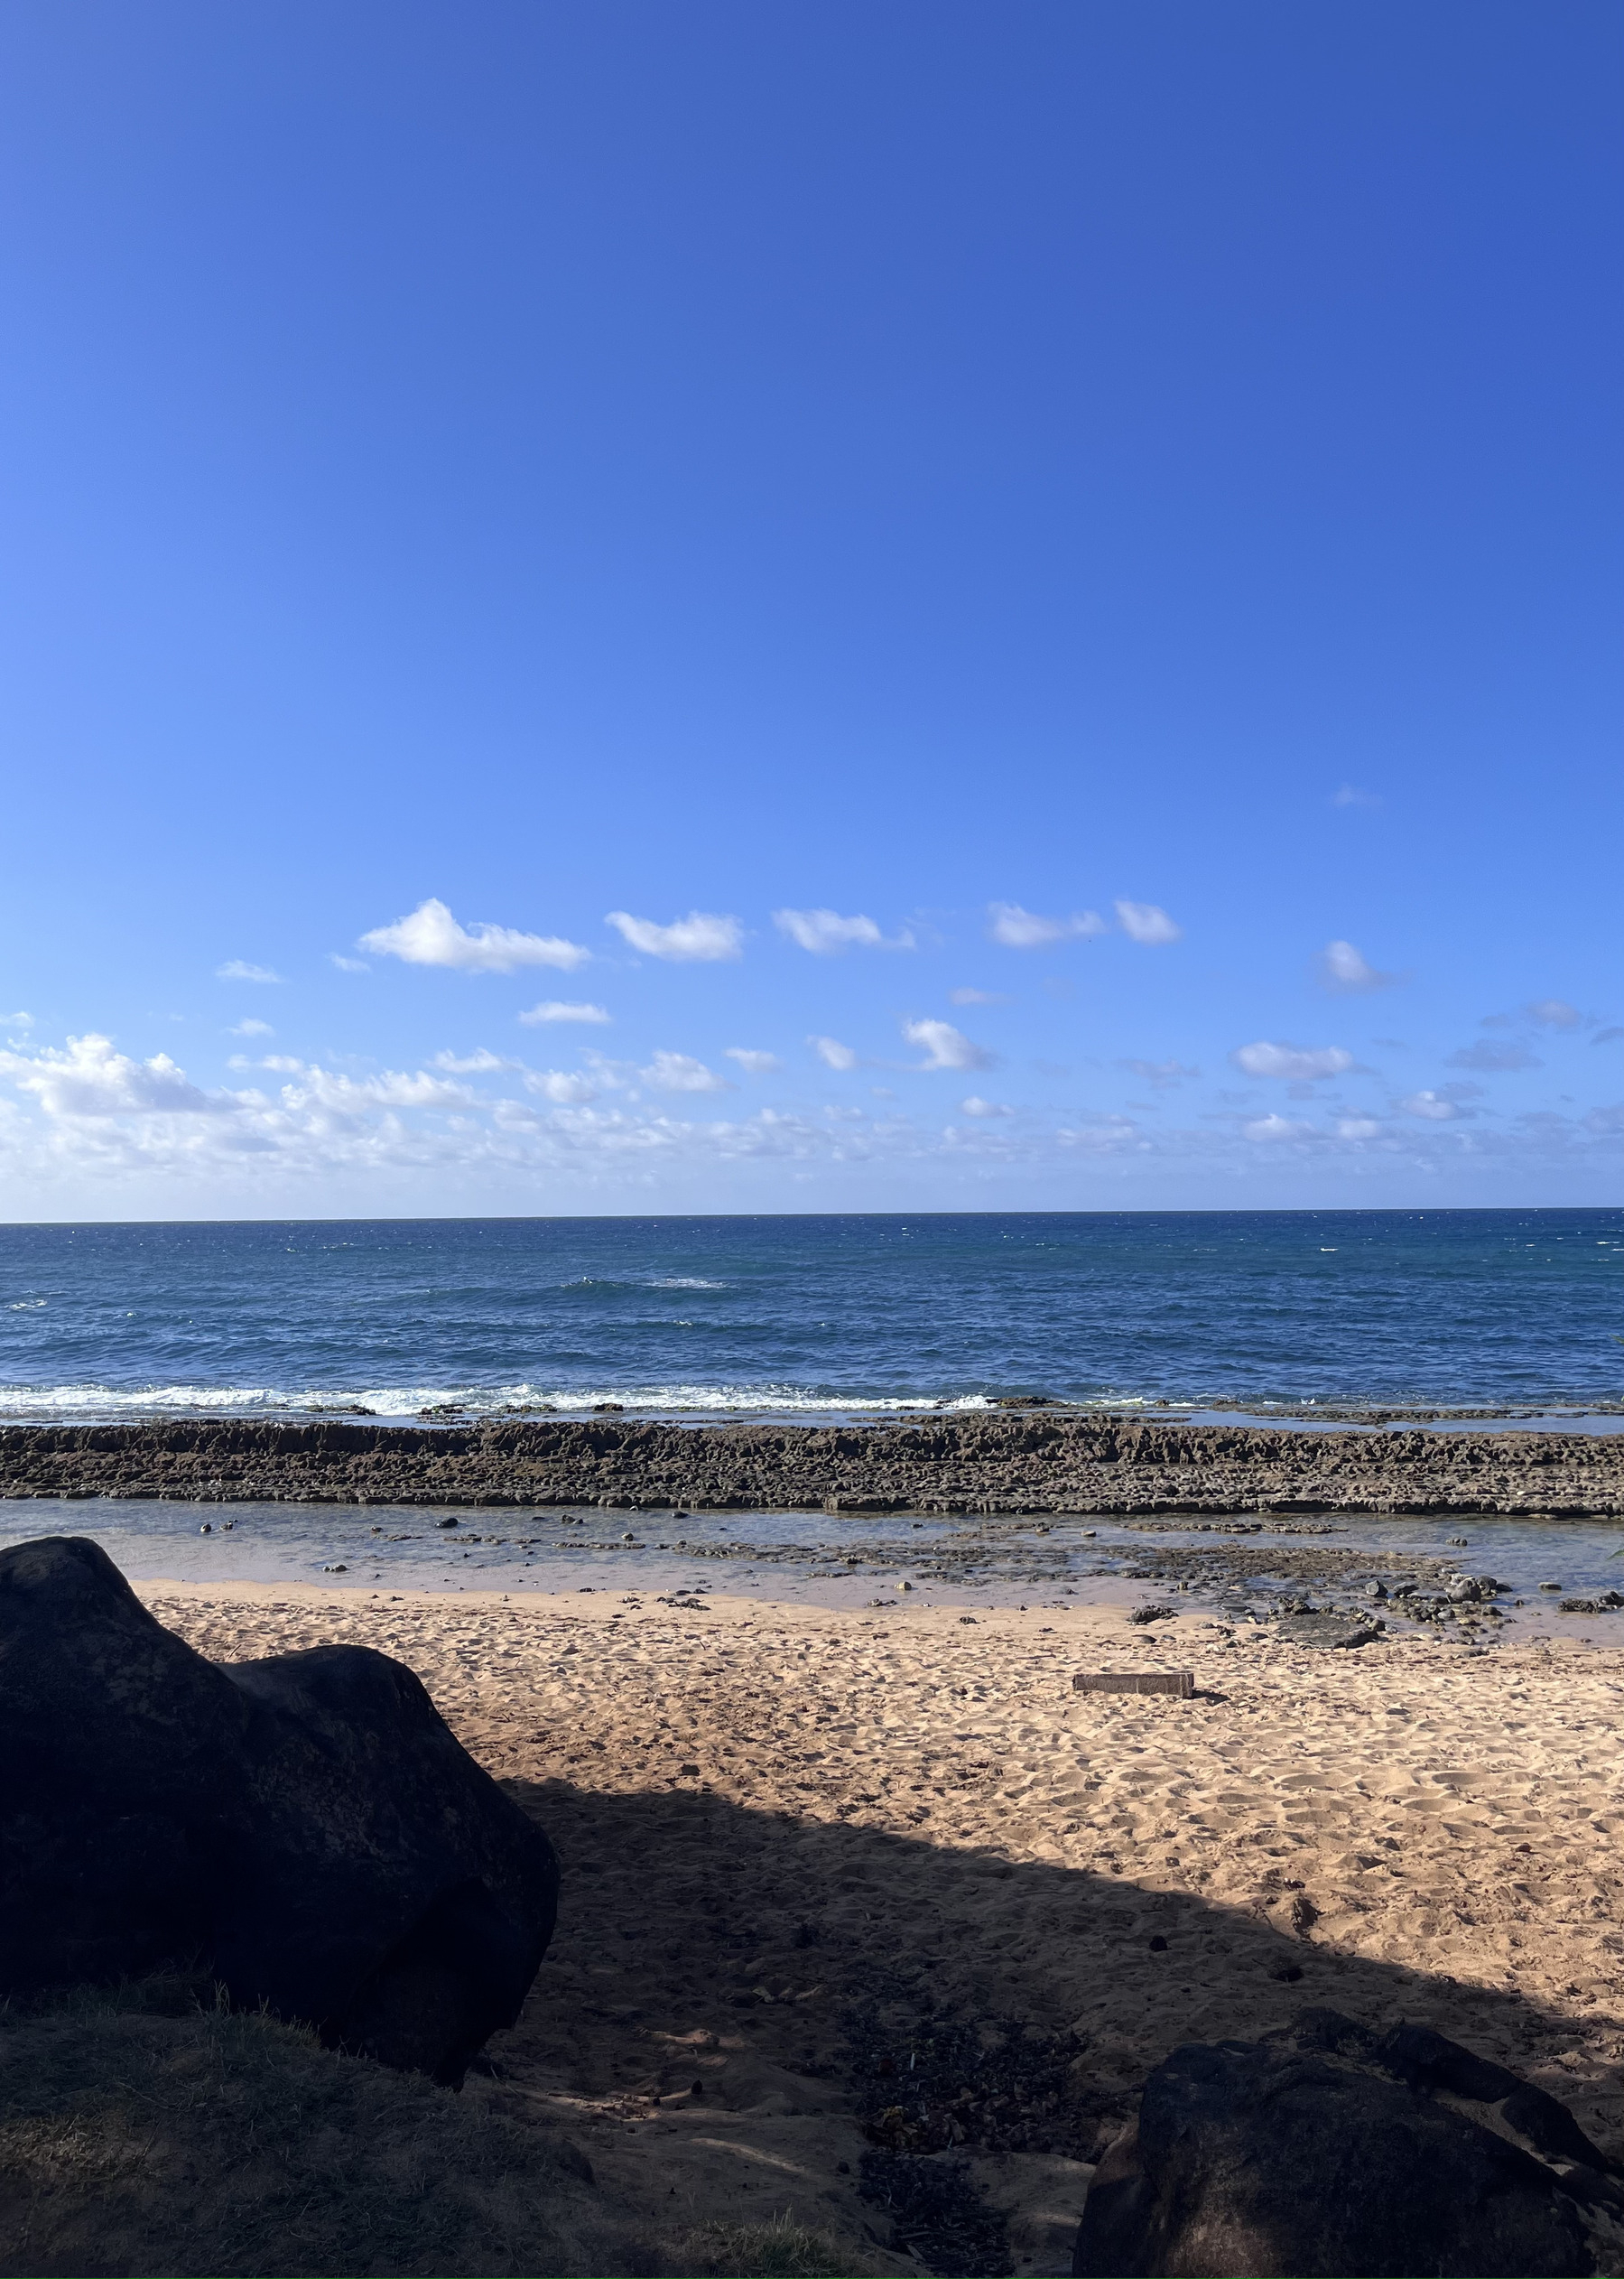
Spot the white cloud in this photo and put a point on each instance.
(825, 931)
(431, 935)
(554, 1009)
(10, 1021)
(752, 1064)
(351, 1096)
(1342, 968)
(1431, 1105)
(89, 1130)
(348, 964)
(975, 1106)
(948, 1047)
(91, 1079)
(235, 970)
(1351, 796)
(475, 1064)
(976, 997)
(561, 1087)
(1553, 1012)
(1294, 1061)
(700, 938)
(833, 1053)
(251, 1028)
(1144, 922)
(679, 1072)
(1019, 929)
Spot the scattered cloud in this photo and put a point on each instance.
(1351, 796)
(348, 964)
(825, 933)
(1144, 922)
(251, 1028)
(679, 1072)
(332, 1093)
(431, 935)
(91, 1079)
(1601, 1037)
(752, 1064)
(701, 939)
(554, 1009)
(833, 1053)
(1159, 1072)
(1553, 1012)
(237, 969)
(1488, 1056)
(564, 1087)
(12, 1022)
(947, 1046)
(976, 996)
(1342, 968)
(473, 1064)
(91, 1121)
(1296, 1063)
(1019, 929)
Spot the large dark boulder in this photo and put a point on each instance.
(387, 1889)
(306, 1826)
(1327, 2150)
(120, 1773)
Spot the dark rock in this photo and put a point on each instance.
(387, 1889)
(308, 1826)
(1321, 2152)
(1327, 1630)
(119, 1768)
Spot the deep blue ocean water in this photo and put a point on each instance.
(1448, 1308)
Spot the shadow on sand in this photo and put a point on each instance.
(738, 2002)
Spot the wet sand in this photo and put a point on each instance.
(842, 1884)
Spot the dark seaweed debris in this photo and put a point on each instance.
(932, 2090)
(937, 2213)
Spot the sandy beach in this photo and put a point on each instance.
(814, 1857)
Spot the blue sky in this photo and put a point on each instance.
(1119, 504)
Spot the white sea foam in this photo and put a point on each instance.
(89, 1403)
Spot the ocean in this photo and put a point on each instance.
(1264, 1312)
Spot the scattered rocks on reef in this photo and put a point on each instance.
(306, 1826)
(1329, 2148)
(1032, 1462)
(1314, 1627)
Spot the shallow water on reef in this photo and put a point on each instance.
(812, 1558)
(815, 1315)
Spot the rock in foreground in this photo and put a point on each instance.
(1329, 2150)
(307, 1827)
